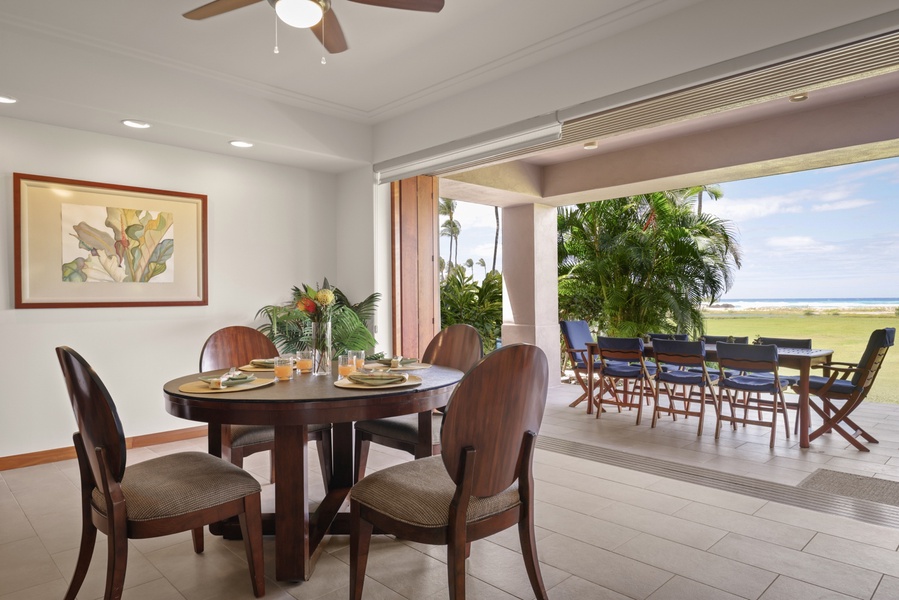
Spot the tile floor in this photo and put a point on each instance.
(604, 532)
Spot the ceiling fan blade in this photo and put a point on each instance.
(333, 39)
(422, 5)
(217, 7)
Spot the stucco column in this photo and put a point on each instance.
(530, 281)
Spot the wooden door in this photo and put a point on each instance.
(416, 298)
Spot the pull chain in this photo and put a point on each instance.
(324, 62)
(276, 34)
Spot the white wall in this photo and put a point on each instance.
(270, 227)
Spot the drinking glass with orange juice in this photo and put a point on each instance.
(283, 367)
(344, 367)
(356, 359)
(304, 361)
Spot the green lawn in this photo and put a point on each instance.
(845, 334)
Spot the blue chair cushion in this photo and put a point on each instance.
(840, 386)
(752, 383)
(790, 379)
(685, 377)
(627, 371)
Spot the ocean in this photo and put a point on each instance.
(806, 303)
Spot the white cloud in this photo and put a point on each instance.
(843, 205)
(799, 243)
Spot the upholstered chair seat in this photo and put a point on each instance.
(427, 493)
(177, 484)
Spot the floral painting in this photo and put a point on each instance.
(108, 244)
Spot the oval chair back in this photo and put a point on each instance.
(493, 407)
(458, 346)
(95, 412)
(235, 346)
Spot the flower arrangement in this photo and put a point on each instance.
(289, 325)
(318, 304)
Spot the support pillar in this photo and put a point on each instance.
(530, 281)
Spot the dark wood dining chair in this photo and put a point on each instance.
(161, 496)
(459, 347)
(834, 397)
(482, 481)
(236, 346)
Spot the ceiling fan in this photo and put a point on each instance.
(315, 15)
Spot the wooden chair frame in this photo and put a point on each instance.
(766, 362)
(688, 358)
(616, 350)
(835, 416)
(488, 440)
(459, 347)
(236, 346)
(103, 469)
(577, 357)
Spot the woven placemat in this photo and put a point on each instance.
(873, 489)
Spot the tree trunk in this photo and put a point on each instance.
(495, 237)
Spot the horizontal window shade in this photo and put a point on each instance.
(853, 61)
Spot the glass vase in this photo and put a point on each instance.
(321, 347)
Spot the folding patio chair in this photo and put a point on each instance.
(750, 359)
(622, 362)
(576, 335)
(681, 366)
(846, 387)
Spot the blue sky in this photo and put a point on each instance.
(825, 233)
(816, 234)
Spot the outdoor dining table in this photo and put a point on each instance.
(801, 359)
(290, 407)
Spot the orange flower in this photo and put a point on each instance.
(306, 304)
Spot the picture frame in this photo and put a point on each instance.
(84, 244)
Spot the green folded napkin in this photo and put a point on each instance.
(375, 379)
(403, 361)
(263, 362)
(234, 379)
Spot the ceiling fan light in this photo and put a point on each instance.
(299, 13)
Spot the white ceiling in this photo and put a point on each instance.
(88, 64)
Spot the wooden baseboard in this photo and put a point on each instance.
(31, 459)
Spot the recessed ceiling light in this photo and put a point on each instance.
(7, 100)
(241, 144)
(590, 146)
(135, 124)
(799, 97)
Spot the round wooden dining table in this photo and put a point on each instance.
(290, 407)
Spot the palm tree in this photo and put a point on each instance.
(643, 263)
(713, 191)
(447, 208)
(483, 264)
(451, 229)
(470, 264)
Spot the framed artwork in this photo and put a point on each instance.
(82, 244)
